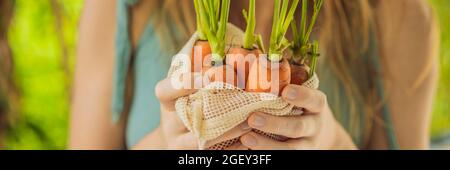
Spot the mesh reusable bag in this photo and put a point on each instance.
(219, 107)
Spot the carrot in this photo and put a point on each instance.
(299, 74)
(213, 17)
(201, 56)
(267, 76)
(202, 50)
(224, 73)
(301, 47)
(272, 73)
(240, 58)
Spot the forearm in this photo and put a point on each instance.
(92, 126)
(91, 122)
(95, 131)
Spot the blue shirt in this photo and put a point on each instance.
(150, 65)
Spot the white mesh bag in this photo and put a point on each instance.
(219, 107)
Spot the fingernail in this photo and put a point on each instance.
(249, 140)
(244, 126)
(291, 93)
(258, 120)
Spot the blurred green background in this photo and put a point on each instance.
(43, 37)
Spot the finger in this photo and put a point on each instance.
(256, 141)
(185, 141)
(234, 133)
(172, 125)
(237, 146)
(312, 100)
(170, 89)
(288, 126)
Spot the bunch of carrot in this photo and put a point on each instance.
(248, 66)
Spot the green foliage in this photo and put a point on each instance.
(441, 113)
(43, 121)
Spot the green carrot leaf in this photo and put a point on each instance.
(314, 57)
(283, 16)
(245, 14)
(200, 31)
(250, 17)
(260, 43)
(317, 7)
(301, 46)
(304, 21)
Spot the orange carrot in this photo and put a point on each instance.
(241, 59)
(213, 18)
(268, 77)
(201, 60)
(223, 73)
(272, 73)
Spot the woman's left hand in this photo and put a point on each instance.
(315, 129)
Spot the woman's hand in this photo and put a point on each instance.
(175, 134)
(315, 129)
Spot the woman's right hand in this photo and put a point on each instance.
(177, 136)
